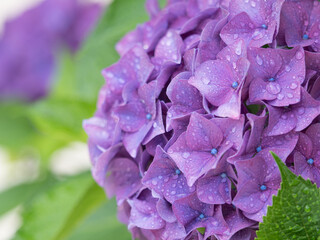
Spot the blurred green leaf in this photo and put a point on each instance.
(295, 211)
(57, 212)
(15, 126)
(23, 194)
(102, 224)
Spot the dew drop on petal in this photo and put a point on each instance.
(289, 95)
(299, 55)
(205, 80)
(293, 86)
(273, 88)
(288, 68)
(185, 155)
(154, 182)
(238, 50)
(301, 110)
(280, 96)
(259, 60)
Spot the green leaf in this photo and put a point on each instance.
(22, 194)
(54, 214)
(295, 212)
(102, 224)
(15, 126)
(99, 50)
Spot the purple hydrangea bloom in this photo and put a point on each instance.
(187, 117)
(29, 44)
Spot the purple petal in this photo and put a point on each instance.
(165, 178)
(124, 179)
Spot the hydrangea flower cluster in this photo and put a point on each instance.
(187, 116)
(30, 41)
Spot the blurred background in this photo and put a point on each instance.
(51, 56)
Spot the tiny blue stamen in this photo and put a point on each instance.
(214, 151)
(148, 116)
(223, 175)
(178, 172)
(263, 187)
(305, 36)
(310, 161)
(258, 149)
(264, 26)
(271, 79)
(201, 216)
(235, 84)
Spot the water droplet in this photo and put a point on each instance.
(293, 86)
(223, 175)
(288, 68)
(154, 182)
(280, 96)
(259, 60)
(253, 4)
(289, 95)
(205, 80)
(301, 110)
(185, 155)
(273, 88)
(299, 55)
(238, 50)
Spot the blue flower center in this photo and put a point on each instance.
(310, 161)
(258, 149)
(271, 79)
(305, 36)
(214, 151)
(178, 172)
(264, 26)
(223, 175)
(148, 116)
(263, 187)
(201, 216)
(235, 84)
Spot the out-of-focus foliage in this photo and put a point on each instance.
(74, 208)
(102, 224)
(56, 212)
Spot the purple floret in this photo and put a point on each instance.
(29, 44)
(202, 93)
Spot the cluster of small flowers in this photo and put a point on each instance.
(29, 44)
(187, 117)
